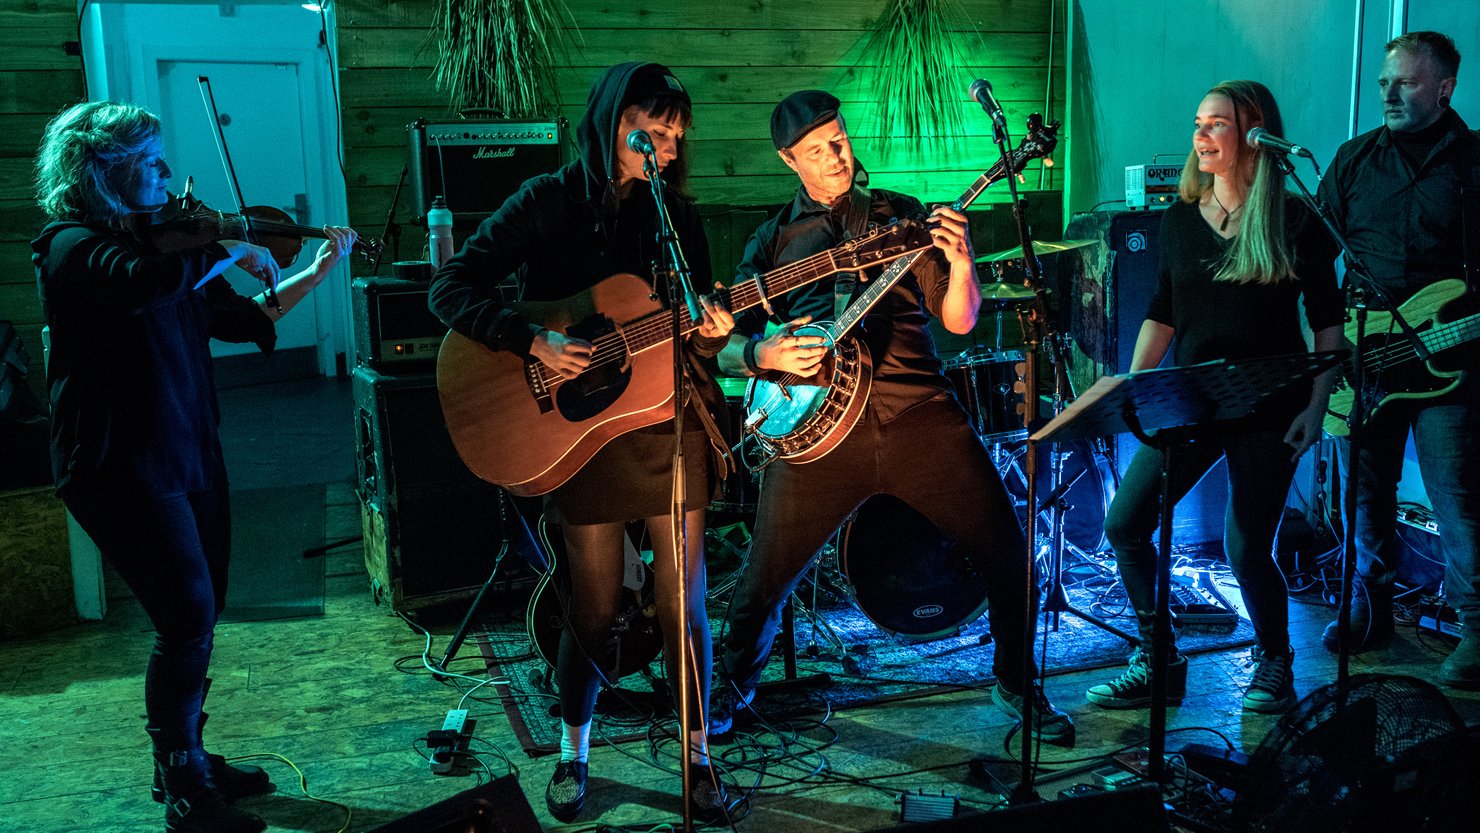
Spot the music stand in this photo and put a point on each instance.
(1179, 404)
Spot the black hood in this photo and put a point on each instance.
(618, 87)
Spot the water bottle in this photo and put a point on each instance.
(439, 232)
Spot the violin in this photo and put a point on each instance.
(186, 222)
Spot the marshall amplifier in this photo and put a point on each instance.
(476, 165)
(394, 330)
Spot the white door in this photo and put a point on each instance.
(267, 150)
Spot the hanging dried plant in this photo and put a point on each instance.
(499, 54)
(918, 75)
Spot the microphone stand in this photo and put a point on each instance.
(1024, 793)
(674, 268)
(1357, 292)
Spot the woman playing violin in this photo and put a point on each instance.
(135, 450)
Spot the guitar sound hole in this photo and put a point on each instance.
(602, 383)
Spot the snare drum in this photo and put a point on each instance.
(906, 576)
(984, 381)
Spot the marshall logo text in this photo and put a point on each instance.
(485, 153)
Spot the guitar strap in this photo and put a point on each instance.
(717, 440)
(859, 202)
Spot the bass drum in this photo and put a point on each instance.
(906, 576)
(1093, 479)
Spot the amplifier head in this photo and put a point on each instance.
(1151, 186)
(476, 165)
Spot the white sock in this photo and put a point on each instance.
(699, 747)
(575, 741)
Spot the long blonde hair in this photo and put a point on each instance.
(1260, 252)
(78, 148)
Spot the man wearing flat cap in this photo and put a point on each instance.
(913, 440)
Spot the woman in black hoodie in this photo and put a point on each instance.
(134, 445)
(563, 233)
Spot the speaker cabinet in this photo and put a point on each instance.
(1139, 809)
(432, 529)
(476, 165)
(1111, 291)
(496, 807)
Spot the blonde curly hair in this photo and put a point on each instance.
(78, 149)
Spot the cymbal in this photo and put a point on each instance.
(1040, 247)
(1005, 292)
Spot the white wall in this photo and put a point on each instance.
(1138, 70)
(121, 36)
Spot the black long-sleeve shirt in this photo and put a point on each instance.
(1228, 320)
(1402, 216)
(556, 239)
(132, 390)
(906, 368)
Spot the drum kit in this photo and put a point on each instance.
(887, 560)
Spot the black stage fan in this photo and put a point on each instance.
(1380, 753)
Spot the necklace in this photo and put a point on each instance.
(1227, 215)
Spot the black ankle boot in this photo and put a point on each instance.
(234, 782)
(192, 803)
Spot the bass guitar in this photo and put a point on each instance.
(1390, 365)
(801, 419)
(519, 424)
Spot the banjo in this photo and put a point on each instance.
(801, 419)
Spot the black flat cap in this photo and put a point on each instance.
(799, 114)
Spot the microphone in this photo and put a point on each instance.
(640, 142)
(1260, 138)
(981, 92)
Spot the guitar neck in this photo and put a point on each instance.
(652, 330)
(1453, 334)
(899, 268)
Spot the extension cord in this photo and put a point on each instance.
(451, 739)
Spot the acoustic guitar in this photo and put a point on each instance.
(517, 423)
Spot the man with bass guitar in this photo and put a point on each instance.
(912, 439)
(1398, 193)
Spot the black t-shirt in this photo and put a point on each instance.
(906, 370)
(132, 391)
(1228, 320)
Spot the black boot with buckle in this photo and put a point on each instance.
(234, 782)
(192, 803)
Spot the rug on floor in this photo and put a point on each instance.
(866, 665)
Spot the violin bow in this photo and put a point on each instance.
(209, 98)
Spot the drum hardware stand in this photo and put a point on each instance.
(1179, 404)
(508, 514)
(1055, 599)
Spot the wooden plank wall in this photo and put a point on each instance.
(37, 78)
(737, 60)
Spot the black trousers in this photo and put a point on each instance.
(1259, 475)
(930, 458)
(172, 552)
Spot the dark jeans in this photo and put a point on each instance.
(1259, 474)
(1446, 434)
(928, 457)
(172, 552)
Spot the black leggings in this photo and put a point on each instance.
(1259, 474)
(172, 551)
(596, 561)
